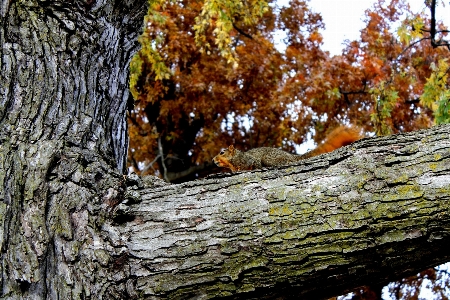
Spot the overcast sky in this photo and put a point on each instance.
(344, 18)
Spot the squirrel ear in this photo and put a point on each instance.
(231, 148)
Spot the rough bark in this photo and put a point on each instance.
(71, 230)
(363, 215)
(63, 141)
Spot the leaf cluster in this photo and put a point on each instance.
(436, 92)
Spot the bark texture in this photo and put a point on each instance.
(71, 229)
(63, 141)
(362, 215)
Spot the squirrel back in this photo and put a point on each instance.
(272, 157)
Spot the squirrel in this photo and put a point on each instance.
(258, 158)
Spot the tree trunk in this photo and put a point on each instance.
(71, 229)
(63, 142)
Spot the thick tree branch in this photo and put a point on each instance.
(365, 214)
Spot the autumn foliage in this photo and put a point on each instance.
(236, 84)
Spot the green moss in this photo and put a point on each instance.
(380, 210)
(404, 192)
(340, 221)
(223, 289)
(289, 258)
(403, 178)
(102, 256)
(433, 166)
(392, 236)
(229, 247)
(246, 288)
(276, 194)
(316, 263)
(362, 181)
(274, 239)
(63, 226)
(355, 246)
(360, 214)
(279, 211)
(234, 267)
(445, 191)
(294, 195)
(293, 234)
(305, 208)
(218, 290)
(37, 220)
(333, 236)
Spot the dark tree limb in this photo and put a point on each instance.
(242, 32)
(433, 30)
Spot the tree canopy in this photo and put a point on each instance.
(203, 81)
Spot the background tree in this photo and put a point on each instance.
(191, 100)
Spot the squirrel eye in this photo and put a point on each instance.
(222, 152)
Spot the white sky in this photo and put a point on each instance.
(344, 18)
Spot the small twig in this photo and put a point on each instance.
(440, 78)
(241, 31)
(161, 153)
(150, 164)
(411, 45)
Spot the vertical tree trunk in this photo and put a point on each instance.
(63, 142)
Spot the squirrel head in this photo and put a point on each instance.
(231, 150)
(223, 158)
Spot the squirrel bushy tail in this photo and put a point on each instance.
(272, 157)
(339, 137)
